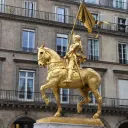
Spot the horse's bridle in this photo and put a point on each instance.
(40, 58)
(49, 62)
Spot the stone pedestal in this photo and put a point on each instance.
(67, 122)
(54, 125)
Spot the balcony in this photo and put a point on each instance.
(52, 19)
(16, 99)
(113, 4)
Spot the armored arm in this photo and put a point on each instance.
(72, 49)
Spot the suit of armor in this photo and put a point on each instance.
(74, 57)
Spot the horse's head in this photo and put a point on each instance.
(43, 56)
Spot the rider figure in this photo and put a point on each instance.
(74, 56)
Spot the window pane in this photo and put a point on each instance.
(29, 89)
(28, 39)
(22, 88)
(22, 84)
(25, 39)
(61, 13)
(62, 45)
(22, 74)
(65, 42)
(26, 84)
(59, 41)
(31, 39)
(30, 74)
(122, 53)
(65, 95)
(93, 49)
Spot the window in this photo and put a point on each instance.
(61, 14)
(64, 95)
(2, 5)
(121, 24)
(30, 8)
(120, 4)
(28, 40)
(93, 49)
(123, 53)
(26, 84)
(61, 44)
(95, 16)
(122, 89)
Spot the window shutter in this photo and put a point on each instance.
(123, 94)
(126, 23)
(26, 4)
(55, 10)
(26, 8)
(97, 1)
(100, 17)
(114, 3)
(2, 5)
(125, 4)
(34, 9)
(127, 53)
(66, 15)
(34, 5)
(115, 23)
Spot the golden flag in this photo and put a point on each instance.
(86, 17)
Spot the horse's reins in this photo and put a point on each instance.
(50, 62)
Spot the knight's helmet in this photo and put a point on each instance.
(79, 39)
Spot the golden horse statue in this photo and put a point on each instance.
(57, 73)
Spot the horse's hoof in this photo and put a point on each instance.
(57, 114)
(96, 116)
(79, 108)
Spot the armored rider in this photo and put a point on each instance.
(74, 56)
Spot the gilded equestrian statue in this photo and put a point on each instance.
(57, 74)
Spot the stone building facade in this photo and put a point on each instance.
(25, 24)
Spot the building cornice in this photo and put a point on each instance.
(106, 62)
(16, 51)
(66, 108)
(67, 26)
(93, 6)
(35, 54)
(25, 61)
(120, 71)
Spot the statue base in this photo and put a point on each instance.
(62, 122)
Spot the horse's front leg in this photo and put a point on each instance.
(50, 84)
(56, 94)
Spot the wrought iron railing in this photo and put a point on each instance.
(116, 4)
(35, 97)
(64, 19)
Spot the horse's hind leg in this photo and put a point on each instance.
(93, 87)
(84, 93)
(99, 100)
(56, 94)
